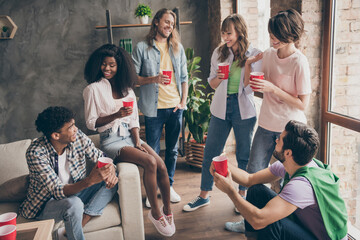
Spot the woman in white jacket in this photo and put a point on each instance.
(232, 105)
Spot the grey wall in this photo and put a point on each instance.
(43, 65)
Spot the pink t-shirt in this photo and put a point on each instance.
(292, 75)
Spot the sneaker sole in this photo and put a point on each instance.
(177, 201)
(193, 209)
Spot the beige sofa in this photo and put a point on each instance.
(122, 218)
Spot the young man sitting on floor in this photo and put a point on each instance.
(309, 205)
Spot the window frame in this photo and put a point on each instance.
(327, 116)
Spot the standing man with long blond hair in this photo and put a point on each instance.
(162, 98)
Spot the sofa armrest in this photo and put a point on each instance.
(129, 189)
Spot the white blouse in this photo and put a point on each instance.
(99, 102)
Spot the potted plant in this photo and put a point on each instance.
(143, 12)
(5, 32)
(197, 115)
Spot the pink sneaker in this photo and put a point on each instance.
(169, 219)
(161, 225)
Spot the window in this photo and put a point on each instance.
(340, 114)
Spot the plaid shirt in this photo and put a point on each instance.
(44, 182)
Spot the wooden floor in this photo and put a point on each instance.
(204, 223)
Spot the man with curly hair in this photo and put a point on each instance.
(59, 188)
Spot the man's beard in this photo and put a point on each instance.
(279, 156)
(162, 34)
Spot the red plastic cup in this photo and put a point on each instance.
(220, 164)
(254, 76)
(169, 74)
(102, 161)
(224, 68)
(128, 103)
(8, 219)
(8, 232)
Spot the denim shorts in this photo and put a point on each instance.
(111, 143)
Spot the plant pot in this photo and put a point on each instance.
(194, 153)
(144, 19)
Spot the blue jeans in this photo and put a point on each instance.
(90, 201)
(153, 129)
(262, 149)
(284, 229)
(218, 133)
(111, 143)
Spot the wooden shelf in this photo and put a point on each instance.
(8, 22)
(135, 25)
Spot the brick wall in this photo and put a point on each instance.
(310, 45)
(227, 8)
(345, 146)
(249, 10)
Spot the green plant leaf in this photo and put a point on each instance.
(143, 10)
(196, 60)
(189, 52)
(197, 115)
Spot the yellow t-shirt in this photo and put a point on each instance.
(169, 96)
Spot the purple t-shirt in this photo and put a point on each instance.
(299, 192)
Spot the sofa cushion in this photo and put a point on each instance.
(95, 139)
(12, 160)
(115, 233)
(109, 218)
(15, 189)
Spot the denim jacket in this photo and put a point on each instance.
(147, 64)
(245, 96)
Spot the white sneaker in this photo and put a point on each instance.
(235, 226)
(169, 219)
(147, 203)
(61, 233)
(174, 197)
(161, 225)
